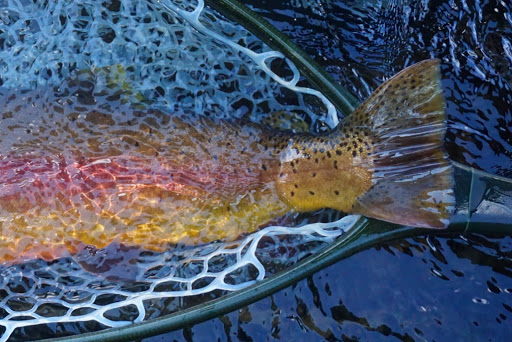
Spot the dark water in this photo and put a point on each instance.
(422, 289)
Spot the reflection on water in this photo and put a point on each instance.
(432, 289)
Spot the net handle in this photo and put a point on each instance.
(482, 200)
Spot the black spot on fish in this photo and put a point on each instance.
(336, 192)
(312, 193)
(292, 193)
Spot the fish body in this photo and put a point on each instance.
(73, 176)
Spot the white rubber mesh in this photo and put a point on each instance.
(173, 54)
(36, 294)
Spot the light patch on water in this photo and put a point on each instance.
(477, 300)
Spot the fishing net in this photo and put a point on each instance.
(167, 55)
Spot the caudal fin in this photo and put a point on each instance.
(412, 179)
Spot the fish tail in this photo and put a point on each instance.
(412, 181)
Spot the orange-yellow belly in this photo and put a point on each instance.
(52, 204)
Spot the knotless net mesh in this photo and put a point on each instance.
(167, 55)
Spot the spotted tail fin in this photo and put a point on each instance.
(412, 176)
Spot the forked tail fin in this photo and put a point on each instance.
(412, 179)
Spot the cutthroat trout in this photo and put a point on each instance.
(73, 176)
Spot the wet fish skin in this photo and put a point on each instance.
(74, 175)
(386, 160)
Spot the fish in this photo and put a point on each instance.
(76, 176)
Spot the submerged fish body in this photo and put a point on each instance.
(148, 181)
(72, 176)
